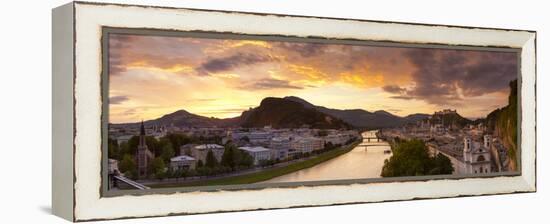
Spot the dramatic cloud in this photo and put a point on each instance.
(169, 54)
(269, 83)
(231, 62)
(446, 77)
(393, 89)
(304, 49)
(118, 99)
(218, 76)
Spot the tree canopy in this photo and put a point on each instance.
(128, 166)
(411, 158)
(211, 160)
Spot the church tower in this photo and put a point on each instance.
(143, 155)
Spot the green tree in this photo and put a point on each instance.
(124, 149)
(200, 164)
(244, 159)
(442, 165)
(151, 142)
(128, 166)
(177, 140)
(228, 157)
(158, 168)
(167, 152)
(184, 173)
(211, 161)
(113, 149)
(411, 158)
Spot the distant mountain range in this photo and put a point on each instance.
(290, 112)
(362, 118)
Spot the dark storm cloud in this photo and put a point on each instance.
(117, 44)
(231, 62)
(444, 77)
(269, 83)
(402, 97)
(304, 49)
(118, 99)
(393, 89)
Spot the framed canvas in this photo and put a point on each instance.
(165, 111)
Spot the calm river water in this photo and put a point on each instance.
(356, 164)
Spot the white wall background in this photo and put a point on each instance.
(25, 112)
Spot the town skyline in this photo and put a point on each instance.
(430, 113)
(151, 76)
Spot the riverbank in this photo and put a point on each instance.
(264, 174)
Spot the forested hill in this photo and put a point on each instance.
(454, 119)
(503, 124)
(283, 113)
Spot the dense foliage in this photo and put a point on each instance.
(128, 166)
(503, 123)
(411, 158)
(235, 158)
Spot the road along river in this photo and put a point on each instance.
(361, 162)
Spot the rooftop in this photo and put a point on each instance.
(209, 146)
(182, 158)
(254, 149)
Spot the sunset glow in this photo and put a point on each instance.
(151, 76)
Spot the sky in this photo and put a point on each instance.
(150, 76)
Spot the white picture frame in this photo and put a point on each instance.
(77, 111)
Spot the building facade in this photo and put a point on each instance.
(199, 152)
(477, 157)
(279, 147)
(182, 162)
(307, 144)
(258, 153)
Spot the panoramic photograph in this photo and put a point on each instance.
(194, 111)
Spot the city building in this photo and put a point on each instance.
(437, 129)
(144, 157)
(258, 153)
(445, 111)
(279, 147)
(186, 149)
(260, 137)
(307, 144)
(477, 157)
(159, 132)
(182, 162)
(340, 138)
(200, 152)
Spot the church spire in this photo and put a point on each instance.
(142, 129)
(142, 135)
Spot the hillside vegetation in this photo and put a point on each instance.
(503, 123)
(282, 113)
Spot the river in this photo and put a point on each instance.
(357, 164)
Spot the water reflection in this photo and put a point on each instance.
(361, 162)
